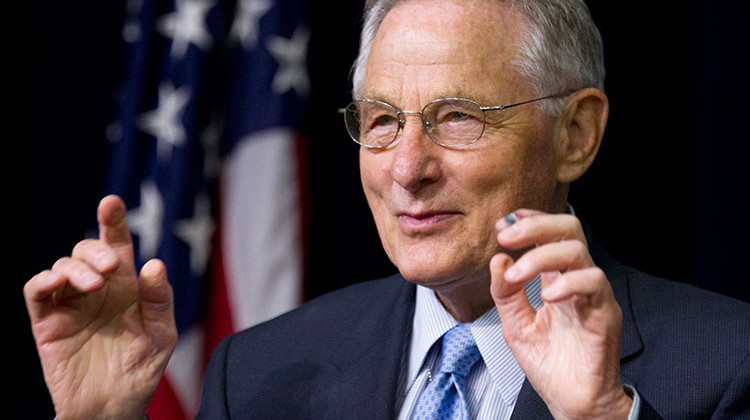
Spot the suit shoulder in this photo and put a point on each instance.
(294, 363)
(686, 315)
(334, 315)
(654, 295)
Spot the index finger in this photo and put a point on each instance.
(113, 224)
(540, 229)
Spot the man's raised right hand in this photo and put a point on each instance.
(104, 334)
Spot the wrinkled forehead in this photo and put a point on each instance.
(459, 45)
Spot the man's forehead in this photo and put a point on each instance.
(471, 17)
(460, 47)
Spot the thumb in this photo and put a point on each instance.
(510, 297)
(155, 295)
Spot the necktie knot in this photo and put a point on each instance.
(460, 351)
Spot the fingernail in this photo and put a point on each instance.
(107, 258)
(506, 221)
(511, 232)
(91, 278)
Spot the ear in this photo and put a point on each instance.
(579, 130)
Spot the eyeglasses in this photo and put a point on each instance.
(449, 122)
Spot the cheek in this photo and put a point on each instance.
(516, 175)
(540, 162)
(377, 184)
(373, 175)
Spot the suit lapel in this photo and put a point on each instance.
(370, 368)
(631, 340)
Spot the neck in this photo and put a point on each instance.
(466, 301)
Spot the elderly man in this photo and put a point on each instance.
(473, 117)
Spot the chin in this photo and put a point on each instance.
(429, 274)
(436, 262)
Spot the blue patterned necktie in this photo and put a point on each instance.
(444, 398)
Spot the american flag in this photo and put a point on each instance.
(207, 152)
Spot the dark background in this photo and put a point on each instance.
(667, 194)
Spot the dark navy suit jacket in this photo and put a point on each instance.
(686, 351)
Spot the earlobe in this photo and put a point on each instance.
(580, 130)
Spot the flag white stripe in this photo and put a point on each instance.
(261, 227)
(184, 370)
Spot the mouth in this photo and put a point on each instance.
(422, 222)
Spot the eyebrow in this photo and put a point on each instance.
(447, 93)
(375, 96)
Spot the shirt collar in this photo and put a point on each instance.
(432, 320)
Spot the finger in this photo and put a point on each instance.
(98, 254)
(538, 229)
(515, 216)
(559, 256)
(113, 225)
(79, 274)
(510, 298)
(155, 293)
(38, 291)
(42, 286)
(590, 283)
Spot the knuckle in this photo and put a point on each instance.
(599, 274)
(96, 253)
(573, 227)
(40, 276)
(498, 261)
(577, 253)
(28, 287)
(579, 248)
(598, 278)
(35, 280)
(61, 263)
(75, 269)
(84, 245)
(38, 283)
(572, 222)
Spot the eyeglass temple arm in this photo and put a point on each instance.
(499, 107)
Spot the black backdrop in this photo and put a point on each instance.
(667, 194)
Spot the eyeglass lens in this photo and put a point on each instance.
(447, 121)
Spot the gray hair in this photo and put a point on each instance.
(560, 51)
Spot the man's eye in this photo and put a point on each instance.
(383, 120)
(458, 116)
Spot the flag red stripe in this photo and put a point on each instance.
(304, 204)
(165, 405)
(218, 322)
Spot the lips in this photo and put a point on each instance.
(425, 220)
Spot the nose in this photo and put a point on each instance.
(416, 162)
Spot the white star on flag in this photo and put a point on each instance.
(131, 31)
(246, 21)
(145, 221)
(187, 25)
(291, 54)
(197, 233)
(165, 122)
